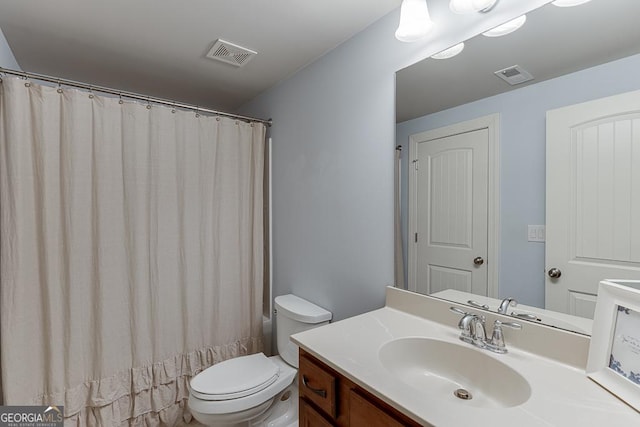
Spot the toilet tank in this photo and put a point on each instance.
(293, 315)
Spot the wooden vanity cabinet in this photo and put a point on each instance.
(329, 399)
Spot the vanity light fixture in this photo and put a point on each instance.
(471, 6)
(569, 3)
(449, 53)
(415, 22)
(506, 28)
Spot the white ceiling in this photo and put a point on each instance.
(158, 47)
(554, 41)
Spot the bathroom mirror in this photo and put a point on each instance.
(574, 54)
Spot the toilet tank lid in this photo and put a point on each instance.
(301, 310)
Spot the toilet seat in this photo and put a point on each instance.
(235, 378)
(284, 378)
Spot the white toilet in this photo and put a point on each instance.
(257, 390)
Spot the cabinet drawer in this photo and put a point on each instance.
(318, 386)
(309, 417)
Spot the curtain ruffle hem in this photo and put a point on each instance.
(154, 394)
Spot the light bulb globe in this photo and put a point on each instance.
(415, 22)
(506, 28)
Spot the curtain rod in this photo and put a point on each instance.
(131, 95)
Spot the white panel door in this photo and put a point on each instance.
(451, 185)
(593, 199)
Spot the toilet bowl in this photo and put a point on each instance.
(257, 390)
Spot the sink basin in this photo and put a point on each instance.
(440, 368)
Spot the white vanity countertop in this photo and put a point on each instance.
(561, 395)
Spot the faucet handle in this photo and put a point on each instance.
(475, 304)
(497, 344)
(458, 311)
(512, 325)
(528, 316)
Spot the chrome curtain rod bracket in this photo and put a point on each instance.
(91, 88)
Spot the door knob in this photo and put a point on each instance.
(478, 260)
(554, 273)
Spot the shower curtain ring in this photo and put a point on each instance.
(173, 107)
(90, 92)
(59, 87)
(120, 101)
(148, 104)
(197, 111)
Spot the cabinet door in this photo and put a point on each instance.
(309, 417)
(365, 414)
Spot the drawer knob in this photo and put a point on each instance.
(319, 392)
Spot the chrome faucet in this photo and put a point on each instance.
(465, 326)
(478, 331)
(504, 305)
(473, 330)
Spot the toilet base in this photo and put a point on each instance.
(234, 419)
(283, 412)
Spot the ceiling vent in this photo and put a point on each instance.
(514, 75)
(230, 53)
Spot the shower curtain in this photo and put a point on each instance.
(131, 252)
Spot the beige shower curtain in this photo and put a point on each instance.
(131, 251)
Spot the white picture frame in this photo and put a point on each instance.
(614, 352)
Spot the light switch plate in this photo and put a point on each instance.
(536, 233)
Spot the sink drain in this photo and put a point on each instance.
(462, 394)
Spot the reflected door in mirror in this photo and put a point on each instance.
(450, 211)
(593, 199)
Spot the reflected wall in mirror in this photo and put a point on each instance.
(575, 55)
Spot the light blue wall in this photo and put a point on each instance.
(332, 179)
(7, 60)
(333, 150)
(522, 160)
